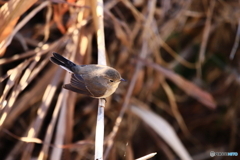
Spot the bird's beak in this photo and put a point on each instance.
(123, 80)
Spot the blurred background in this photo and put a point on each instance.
(180, 59)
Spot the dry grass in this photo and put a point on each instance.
(181, 60)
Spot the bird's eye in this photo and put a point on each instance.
(110, 80)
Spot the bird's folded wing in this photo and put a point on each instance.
(77, 85)
(71, 88)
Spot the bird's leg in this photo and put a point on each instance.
(104, 100)
(101, 104)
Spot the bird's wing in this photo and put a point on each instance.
(78, 85)
(96, 86)
(72, 88)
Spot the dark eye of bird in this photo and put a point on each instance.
(110, 80)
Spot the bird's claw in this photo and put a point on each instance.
(104, 99)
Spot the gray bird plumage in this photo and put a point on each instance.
(97, 81)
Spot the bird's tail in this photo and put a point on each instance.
(63, 62)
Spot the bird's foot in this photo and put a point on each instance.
(104, 99)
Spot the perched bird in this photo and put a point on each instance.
(97, 81)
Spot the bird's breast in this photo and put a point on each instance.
(110, 90)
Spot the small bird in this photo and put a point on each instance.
(97, 81)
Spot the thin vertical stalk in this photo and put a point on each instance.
(97, 9)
